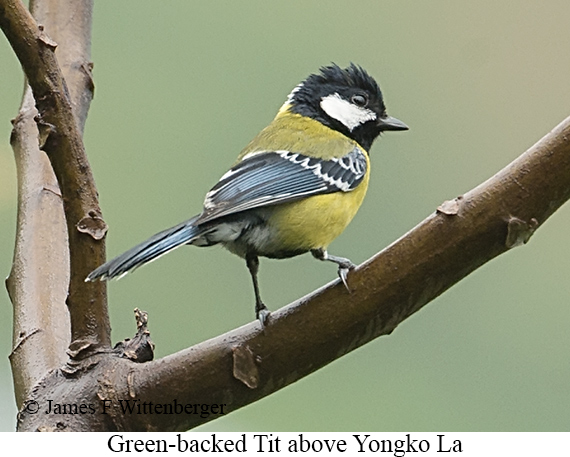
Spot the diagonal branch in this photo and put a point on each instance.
(60, 137)
(248, 364)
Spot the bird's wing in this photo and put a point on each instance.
(270, 177)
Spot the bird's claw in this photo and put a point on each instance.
(343, 272)
(262, 313)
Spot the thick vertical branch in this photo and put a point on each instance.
(38, 292)
(40, 278)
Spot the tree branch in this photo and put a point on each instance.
(249, 363)
(41, 319)
(60, 137)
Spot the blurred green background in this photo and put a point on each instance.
(182, 86)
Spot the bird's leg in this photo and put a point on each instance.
(261, 311)
(344, 265)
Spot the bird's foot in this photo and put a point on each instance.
(262, 313)
(344, 264)
(343, 269)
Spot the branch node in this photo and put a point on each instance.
(78, 347)
(93, 225)
(519, 231)
(45, 39)
(450, 207)
(53, 189)
(74, 367)
(81, 358)
(87, 69)
(45, 129)
(245, 366)
(140, 349)
(22, 336)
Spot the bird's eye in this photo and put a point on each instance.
(359, 100)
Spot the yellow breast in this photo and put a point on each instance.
(315, 222)
(312, 222)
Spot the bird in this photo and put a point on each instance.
(294, 188)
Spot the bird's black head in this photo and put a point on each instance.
(347, 100)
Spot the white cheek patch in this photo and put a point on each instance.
(343, 111)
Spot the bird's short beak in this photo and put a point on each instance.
(391, 123)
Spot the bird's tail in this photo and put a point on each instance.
(146, 252)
